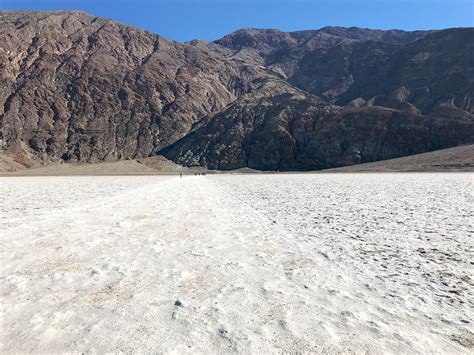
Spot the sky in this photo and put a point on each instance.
(185, 20)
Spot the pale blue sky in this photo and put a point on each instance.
(184, 20)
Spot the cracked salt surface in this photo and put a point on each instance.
(238, 263)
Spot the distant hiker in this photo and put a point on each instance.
(180, 175)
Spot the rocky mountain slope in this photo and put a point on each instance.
(295, 133)
(78, 87)
(320, 61)
(75, 87)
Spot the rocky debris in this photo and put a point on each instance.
(79, 88)
(466, 339)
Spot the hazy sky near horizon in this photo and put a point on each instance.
(185, 20)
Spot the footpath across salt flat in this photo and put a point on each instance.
(237, 263)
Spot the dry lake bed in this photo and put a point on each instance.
(324, 263)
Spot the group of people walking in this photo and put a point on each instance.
(195, 174)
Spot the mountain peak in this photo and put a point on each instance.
(81, 88)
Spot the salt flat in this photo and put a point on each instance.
(322, 263)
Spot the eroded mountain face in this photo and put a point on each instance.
(81, 88)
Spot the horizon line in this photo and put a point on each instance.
(237, 29)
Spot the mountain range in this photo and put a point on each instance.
(79, 88)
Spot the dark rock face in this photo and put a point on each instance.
(433, 74)
(394, 97)
(81, 88)
(319, 61)
(296, 133)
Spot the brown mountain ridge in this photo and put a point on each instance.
(79, 88)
